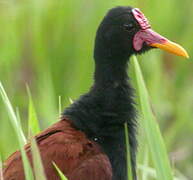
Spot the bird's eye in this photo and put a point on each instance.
(129, 27)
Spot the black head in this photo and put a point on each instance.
(125, 31)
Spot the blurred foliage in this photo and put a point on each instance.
(48, 45)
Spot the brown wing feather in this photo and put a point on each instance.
(73, 153)
(95, 168)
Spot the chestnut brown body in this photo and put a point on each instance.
(75, 155)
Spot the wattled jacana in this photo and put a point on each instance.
(88, 143)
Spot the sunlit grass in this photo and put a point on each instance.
(18, 130)
(129, 167)
(39, 173)
(62, 176)
(1, 168)
(33, 124)
(152, 133)
(48, 45)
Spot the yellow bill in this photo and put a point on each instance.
(172, 48)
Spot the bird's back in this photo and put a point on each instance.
(77, 157)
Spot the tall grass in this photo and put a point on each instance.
(1, 169)
(129, 167)
(39, 173)
(33, 124)
(18, 130)
(60, 174)
(152, 133)
(48, 45)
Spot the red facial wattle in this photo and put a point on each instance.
(151, 38)
(148, 36)
(141, 19)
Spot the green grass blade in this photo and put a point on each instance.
(129, 168)
(59, 105)
(62, 176)
(71, 101)
(26, 164)
(1, 169)
(37, 162)
(19, 133)
(151, 172)
(151, 129)
(12, 116)
(145, 163)
(148, 170)
(18, 116)
(33, 124)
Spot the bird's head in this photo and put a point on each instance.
(125, 31)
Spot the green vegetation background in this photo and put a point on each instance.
(48, 45)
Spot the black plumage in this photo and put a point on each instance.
(89, 141)
(102, 112)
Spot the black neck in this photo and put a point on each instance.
(110, 73)
(102, 112)
(110, 63)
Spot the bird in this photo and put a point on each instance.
(88, 142)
